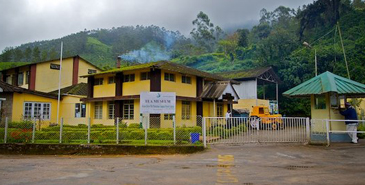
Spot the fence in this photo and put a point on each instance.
(328, 130)
(247, 130)
(149, 132)
(29, 131)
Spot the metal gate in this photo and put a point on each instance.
(251, 130)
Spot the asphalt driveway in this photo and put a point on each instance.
(248, 164)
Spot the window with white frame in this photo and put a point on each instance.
(185, 110)
(80, 110)
(37, 110)
(98, 110)
(111, 110)
(128, 110)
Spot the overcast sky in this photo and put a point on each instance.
(23, 21)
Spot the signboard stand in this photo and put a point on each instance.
(157, 103)
(174, 125)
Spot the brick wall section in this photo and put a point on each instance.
(7, 105)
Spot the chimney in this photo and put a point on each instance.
(118, 61)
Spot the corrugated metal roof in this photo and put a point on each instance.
(78, 89)
(166, 65)
(327, 82)
(250, 74)
(214, 89)
(11, 88)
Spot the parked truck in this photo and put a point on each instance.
(261, 118)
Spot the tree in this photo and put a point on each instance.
(242, 37)
(7, 54)
(18, 55)
(53, 54)
(205, 34)
(229, 44)
(36, 54)
(28, 54)
(320, 13)
(44, 55)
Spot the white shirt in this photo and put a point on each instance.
(228, 115)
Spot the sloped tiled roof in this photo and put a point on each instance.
(78, 89)
(327, 82)
(166, 65)
(5, 87)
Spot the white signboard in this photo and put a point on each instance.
(158, 102)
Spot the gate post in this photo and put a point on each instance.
(61, 128)
(88, 130)
(204, 133)
(307, 127)
(328, 132)
(117, 130)
(174, 126)
(6, 130)
(33, 132)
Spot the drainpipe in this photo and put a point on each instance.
(214, 115)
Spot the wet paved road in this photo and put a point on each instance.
(249, 164)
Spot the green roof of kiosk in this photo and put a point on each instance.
(327, 82)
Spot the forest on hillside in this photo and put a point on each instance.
(277, 41)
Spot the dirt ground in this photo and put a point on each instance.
(249, 164)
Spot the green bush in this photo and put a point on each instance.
(21, 124)
(134, 125)
(49, 135)
(97, 126)
(137, 135)
(82, 125)
(123, 125)
(152, 134)
(165, 135)
(361, 127)
(182, 134)
(123, 135)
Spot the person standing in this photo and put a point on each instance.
(351, 125)
(228, 119)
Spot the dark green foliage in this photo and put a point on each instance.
(21, 124)
(134, 125)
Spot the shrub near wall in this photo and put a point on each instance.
(98, 134)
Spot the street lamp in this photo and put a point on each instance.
(315, 55)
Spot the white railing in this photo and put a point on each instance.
(333, 126)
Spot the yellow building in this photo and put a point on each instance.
(44, 76)
(22, 104)
(116, 93)
(39, 81)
